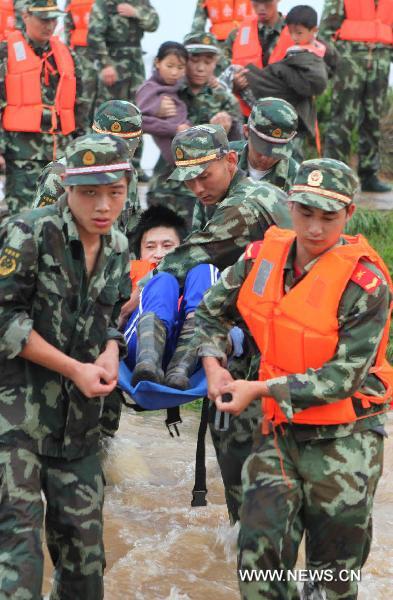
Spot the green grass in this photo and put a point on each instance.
(377, 227)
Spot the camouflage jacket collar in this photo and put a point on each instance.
(277, 174)
(278, 26)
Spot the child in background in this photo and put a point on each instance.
(162, 88)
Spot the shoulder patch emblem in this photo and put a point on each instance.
(366, 278)
(252, 250)
(8, 261)
(46, 201)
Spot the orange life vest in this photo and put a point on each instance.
(24, 108)
(226, 15)
(315, 47)
(80, 12)
(7, 18)
(367, 23)
(248, 50)
(139, 269)
(299, 330)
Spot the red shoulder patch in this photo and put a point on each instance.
(252, 250)
(366, 278)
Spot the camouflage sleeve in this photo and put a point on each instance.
(200, 18)
(332, 17)
(18, 275)
(147, 16)
(82, 103)
(98, 25)
(68, 23)
(215, 315)
(228, 45)
(362, 317)
(19, 7)
(3, 70)
(221, 242)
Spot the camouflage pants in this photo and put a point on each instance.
(20, 181)
(359, 91)
(232, 448)
(234, 445)
(74, 492)
(332, 486)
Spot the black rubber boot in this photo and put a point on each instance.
(150, 350)
(371, 183)
(184, 360)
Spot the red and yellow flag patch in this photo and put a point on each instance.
(366, 278)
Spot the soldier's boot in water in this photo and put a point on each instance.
(184, 360)
(150, 349)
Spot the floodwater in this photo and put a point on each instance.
(159, 548)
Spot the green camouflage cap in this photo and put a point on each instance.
(201, 43)
(272, 126)
(96, 159)
(324, 183)
(43, 9)
(120, 118)
(195, 148)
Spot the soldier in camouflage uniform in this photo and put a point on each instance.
(63, 277)
(267, 154)
(360, 85)
(26, 153)
(118, 118)
(204, 104)
(231, 211)
(304, 476)
(115, 32)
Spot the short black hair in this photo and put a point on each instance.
(175, 48)
(302, 15)
(158, 216)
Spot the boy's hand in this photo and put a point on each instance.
(126, 10)
(222, 118)
(109, 75)
(240, 80)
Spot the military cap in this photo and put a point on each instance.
(96, 159)
(201, 43)
(120, 118)
(324, 183)
(195, 148)
(43, 9)
(272, 126)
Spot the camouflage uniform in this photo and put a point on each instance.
(115, 40)
(271, 129)
(27, 153)
(360, 84)
(245, 213)
(117, 117)
(90, 77)
(318, 479)
(49, 431)
(202, 106)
